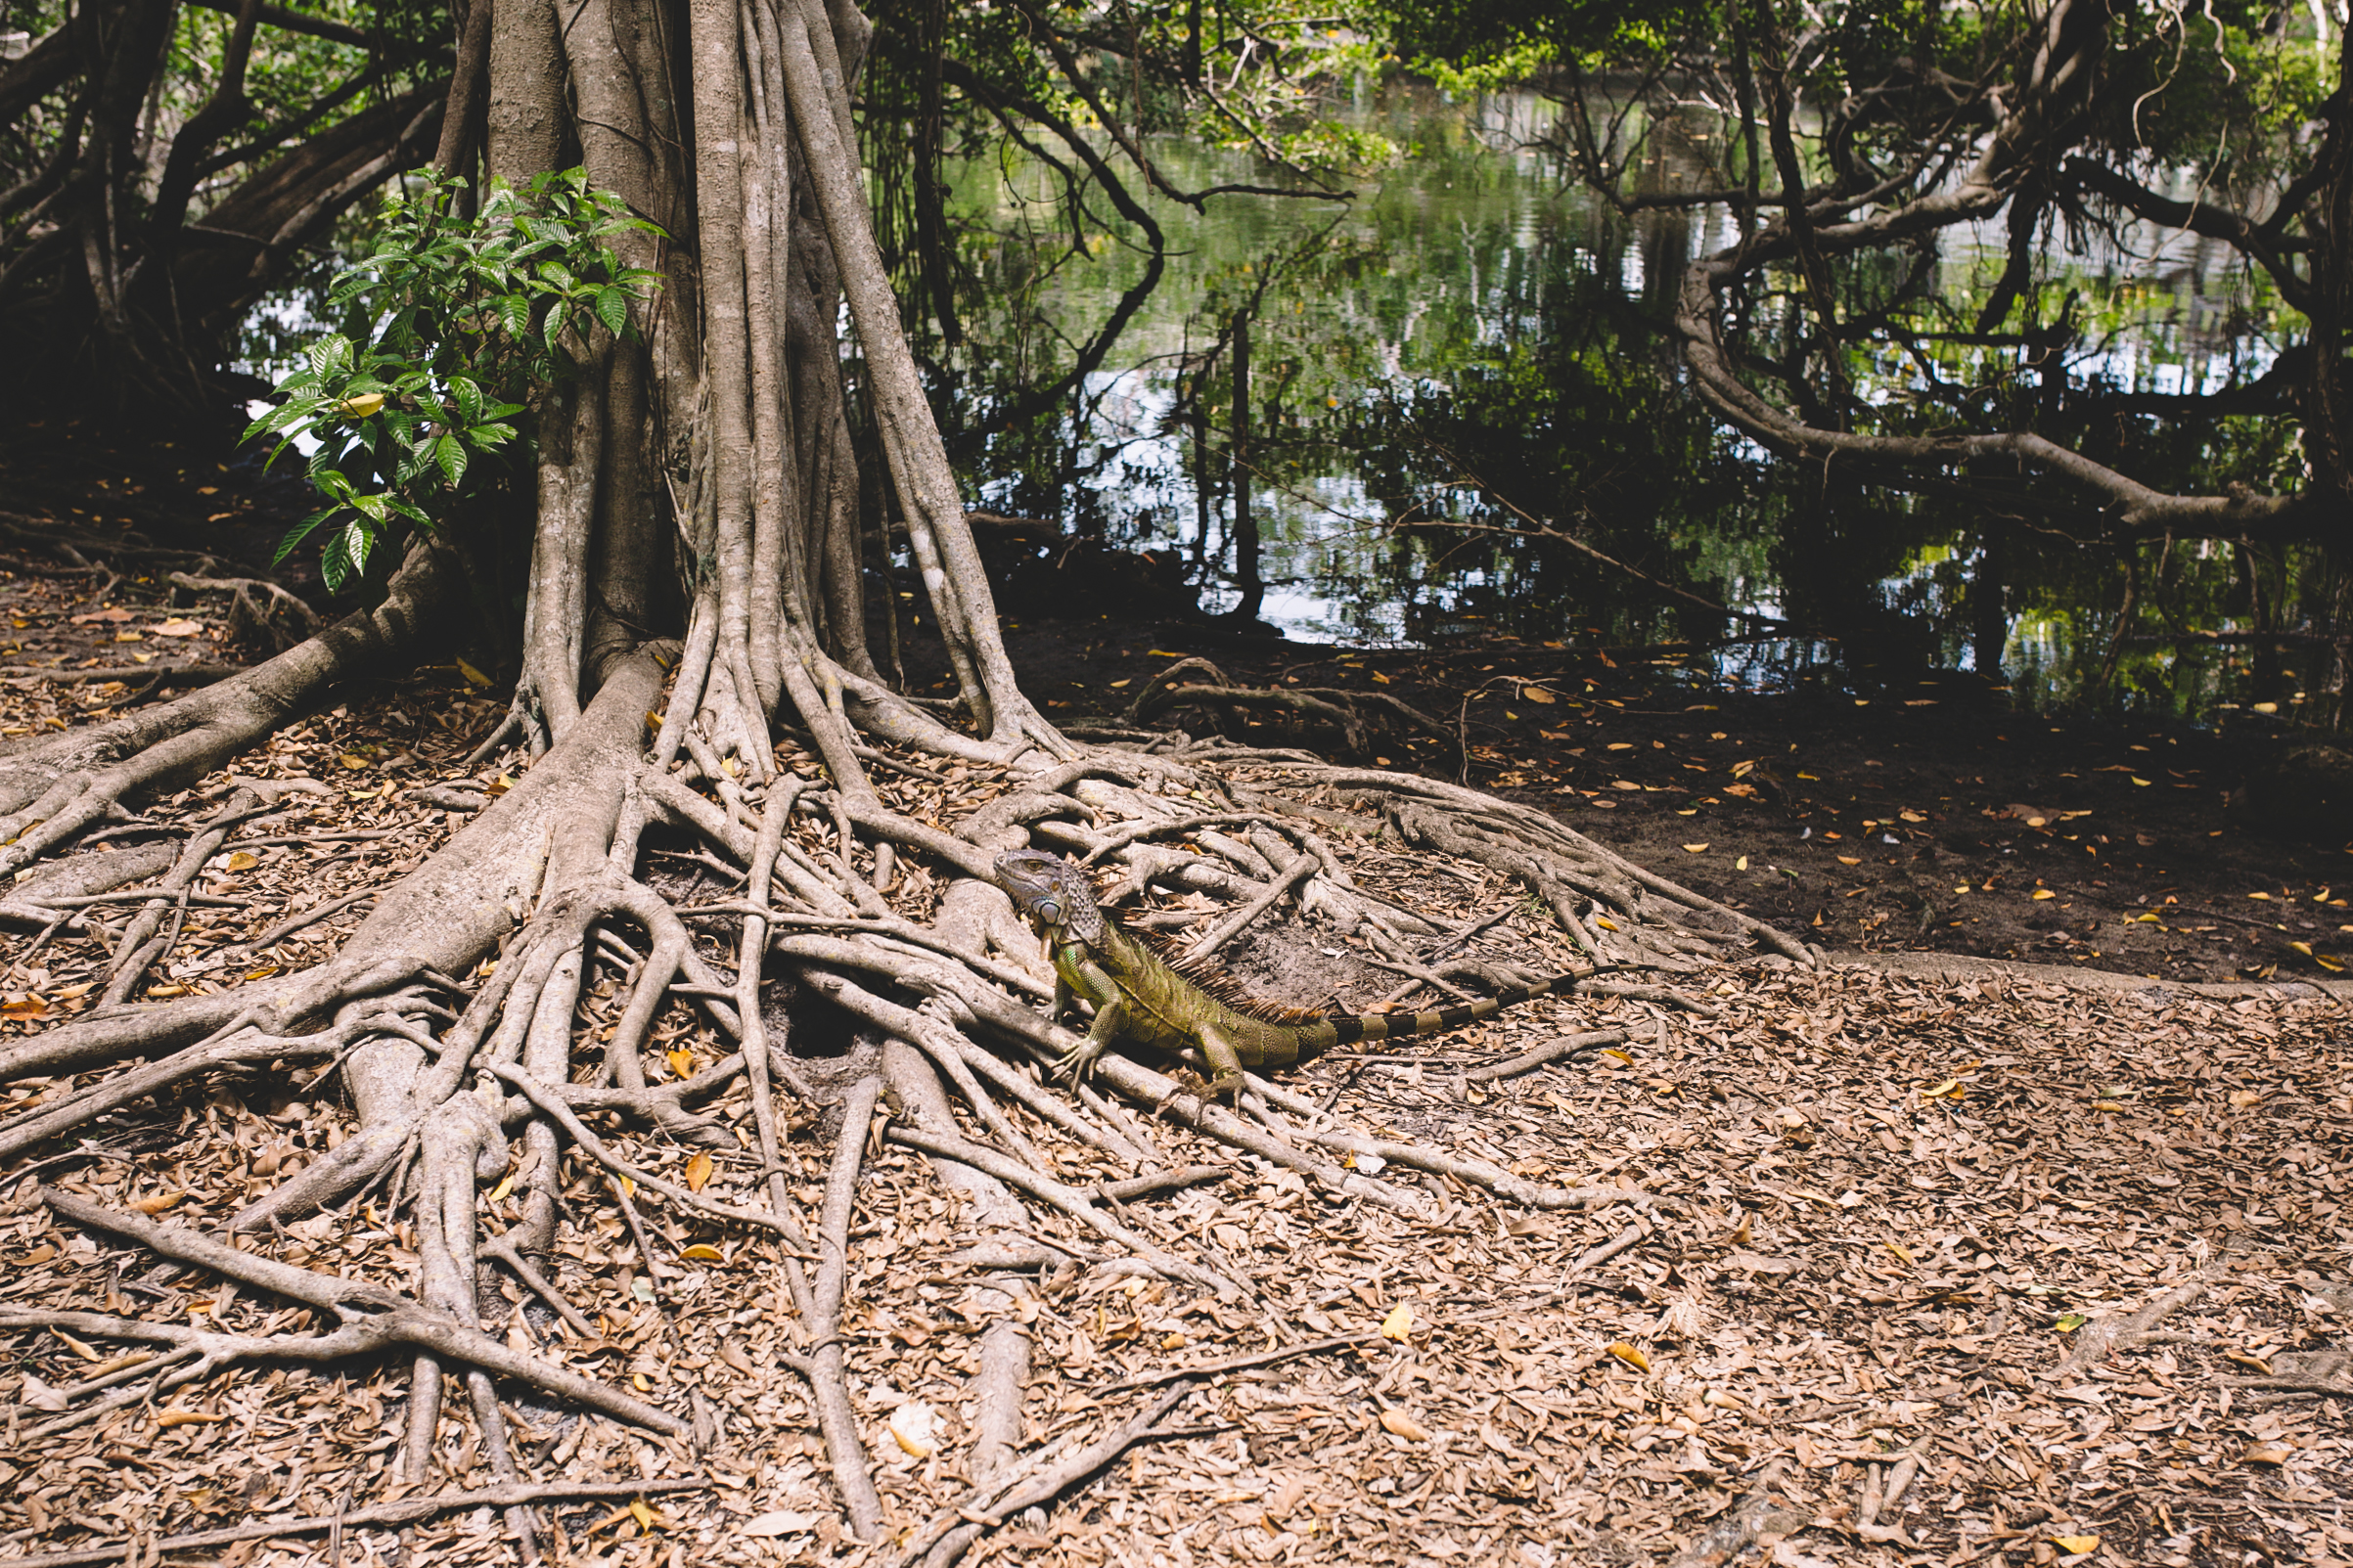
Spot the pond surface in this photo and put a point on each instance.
(1473, 349)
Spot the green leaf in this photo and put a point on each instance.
(329, 354)
(515, 312)
(469, 399)
(335, 562)
(450, 454)
(612, 309)
(358, 541)
(301, 531)
(554, 328)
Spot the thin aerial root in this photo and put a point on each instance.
(829, 1385)
(499, 1247)
(388, 1319)
(1069, 1199)
(406, 1511)
(1044, 1488)
(551, 1102)
(1550, 1051)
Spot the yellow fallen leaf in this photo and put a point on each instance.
(1909, 815)
(34, 1005)
(158, 1203)
(1850, 859)
(1604, 922)
(1403, 1425)
(361, 407)
(87, 1352)
(1741, 865)
(703, 1252)
(1116, 684)
(2304, 947)
(1380, 679)
(2265, 707)
(177, 626)
(1538, 696)
(915, 1428)
(474, 677)
(187, 1417)
(353, 760)
(1621, 1055)
(1399, 1324)
(1631, 1355)
(1948, 1087)
(653, 720)
(242, 860)
(506, 1185)
(1899, 1250)
(681, 1062)
(2245, 1097)
(698, 1171)
(2269, 1454)
(1694, 849)
(2075, 1545)
(1160, 653)
(2042, 893)
(643, 1514)
(2326, 961)
(2266, 897)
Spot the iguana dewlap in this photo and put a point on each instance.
(1140, 995)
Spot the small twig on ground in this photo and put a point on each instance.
(309, 917)
(1233, 925)
(1236, 1363)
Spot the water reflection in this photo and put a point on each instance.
(1475, 343)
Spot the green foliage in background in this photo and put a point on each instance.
(456, 327)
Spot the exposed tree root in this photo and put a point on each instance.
(530, 1024)
(408, 1510)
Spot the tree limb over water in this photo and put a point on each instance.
(2067, 117)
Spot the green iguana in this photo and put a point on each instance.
(1140, 995)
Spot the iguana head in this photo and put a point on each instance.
(1053, 892)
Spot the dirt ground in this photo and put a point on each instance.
(1862, 1267)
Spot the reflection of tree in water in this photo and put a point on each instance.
(1466, 324)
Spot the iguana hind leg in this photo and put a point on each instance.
(1225, 1065)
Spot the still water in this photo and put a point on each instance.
(1473, 349)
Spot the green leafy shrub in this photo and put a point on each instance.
(453, 325)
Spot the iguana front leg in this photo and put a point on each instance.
(1077, 974)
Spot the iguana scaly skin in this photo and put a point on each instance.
(1140, 995)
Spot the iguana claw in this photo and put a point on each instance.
(1077, 1065)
